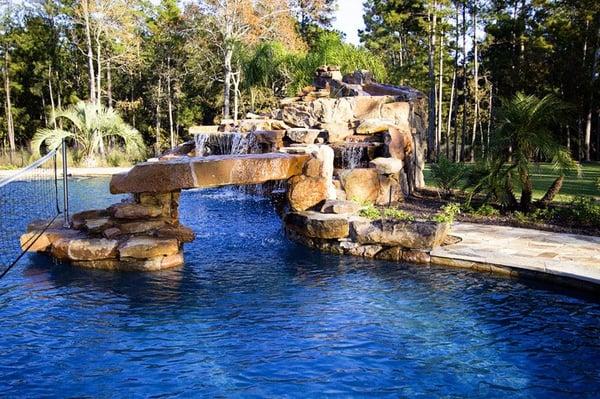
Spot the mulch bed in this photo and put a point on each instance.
(427, 202)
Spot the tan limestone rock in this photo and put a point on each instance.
(337, 132)
(393, 254)
(306, 192)
(418, 257)
(84, 249)
(361, 185)
(148, 247)
(152, 264)
(303, 135)
(387, 166)
(390, 232)
(179, 232)
(318, 225)
(372, 126)
(134, 211)
(340, 207)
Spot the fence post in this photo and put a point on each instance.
(65, 184)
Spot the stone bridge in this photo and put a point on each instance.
(203, 172)
(144, 232)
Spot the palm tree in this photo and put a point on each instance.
(524, 136)
(89, 126)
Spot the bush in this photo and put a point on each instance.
(583, 211)
(598, 183)
(447, 175)
(398, 214)
(370, 212)
(447, 214)
(486, 210)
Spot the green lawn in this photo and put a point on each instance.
(543, 178)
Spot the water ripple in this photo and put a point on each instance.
(254, 315)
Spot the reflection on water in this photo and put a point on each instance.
(252, 314)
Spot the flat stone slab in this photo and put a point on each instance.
(211, 171)
(566, 255)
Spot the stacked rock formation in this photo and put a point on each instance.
(142, 234)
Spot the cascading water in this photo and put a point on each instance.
(201, 139)
(352, 156)
(224, 144)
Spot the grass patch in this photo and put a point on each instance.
(543, 176)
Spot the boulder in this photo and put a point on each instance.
(365, 251)
(387, 166)
(141, 226)
(112, 232)
(98, 225)
(306, 192)
(267, 140)
(337, 132)
(393, 254)
(318, 225)
(180, 233)
(361, 185)
(148, 247)
(78, 219)
(372, 126)
(390, 190)
(418, 257)
(389, 232)
(151, 264)
(299, 114)
(340, 207)
(302, 135)
(134, 211)
(85, 249)
(399, 143)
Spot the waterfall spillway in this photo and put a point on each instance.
(224, 143)
(352, 156)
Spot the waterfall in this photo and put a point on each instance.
(225, 144)
(352, 156)
(201, 140)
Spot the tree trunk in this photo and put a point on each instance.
(170, 103)
(109, 84)
(432, 144)
(9, 115)
(98, 71)
(588, 124)
(526, 192)
(227, 81)
(441, 96)
(158, 96)
(51, 91)
(552, 192)
(475, 83)
(90, 51)
(464, 80)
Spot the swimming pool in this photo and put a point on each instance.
(253, 314)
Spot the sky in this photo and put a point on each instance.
(349, 19)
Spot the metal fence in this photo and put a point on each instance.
(37, 193)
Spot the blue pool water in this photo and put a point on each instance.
(254, 315)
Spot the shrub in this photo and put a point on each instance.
(447, 214)
(370, 212)
(447, 175)
(398, 214)
(583, 211)
(598, 183)
(486, 210)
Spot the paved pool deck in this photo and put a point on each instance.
(517, 251)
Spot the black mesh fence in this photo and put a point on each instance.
(27, 195)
